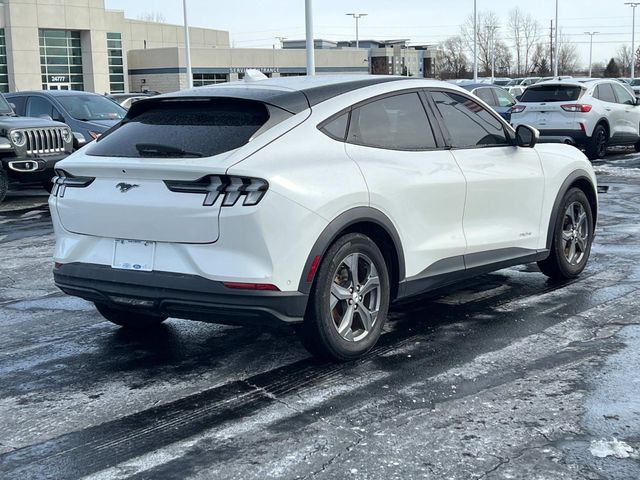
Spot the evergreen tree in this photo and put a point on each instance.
(612, 70)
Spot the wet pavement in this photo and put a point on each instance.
(508, 375)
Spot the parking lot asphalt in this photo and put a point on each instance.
(508, 375)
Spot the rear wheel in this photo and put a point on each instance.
(4, 184)
(128, 318)
(597, 147)
(47, 185)
(349, 302)
(572, 238)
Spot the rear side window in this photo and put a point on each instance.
(468, 123)
(337, 127)
(486, 96)
(396, 123)
(623, 95)
(184, 128)
(604, 92)
(551, 93)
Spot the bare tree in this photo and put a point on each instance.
(567, 56)
(531, 32)
(156, 17)
(514, 25)
(540, 59)
(488, 25)
(451, 61)
(623, 59)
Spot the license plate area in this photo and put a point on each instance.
(133, 255)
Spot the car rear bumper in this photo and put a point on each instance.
(572, 137)
(31, 169)
(179, 295)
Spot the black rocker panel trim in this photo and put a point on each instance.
(342, 222)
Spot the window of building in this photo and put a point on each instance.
(60, 60)
(116, 65)
(468, 123)
(396, 123)
(4, 73)
(202, 79)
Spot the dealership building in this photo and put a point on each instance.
(81, 45)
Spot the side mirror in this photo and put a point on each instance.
(527, 136)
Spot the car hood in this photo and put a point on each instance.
(8, 123)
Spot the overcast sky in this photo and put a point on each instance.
(256, 23)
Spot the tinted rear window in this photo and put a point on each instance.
(551, 93)
(195, 127)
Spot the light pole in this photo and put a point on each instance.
(493, 52)
(591, 34)
(311, 60)
(633, 39)
(357, 16)
(475, 41)
(555, 60)
(187, 45)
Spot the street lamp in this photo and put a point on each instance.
(555, 63)
(311, 59)
(591, 34)
(187, 45)
(357, 16)
(633, 39)
(493, 52)
(475, 42)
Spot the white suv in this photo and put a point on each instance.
(592, 114)
(315, 201)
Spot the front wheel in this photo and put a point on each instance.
(349, 301)
(128, 318)
(572, 238)
(597, 147)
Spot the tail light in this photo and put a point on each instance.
(518, 108)
(576, 107)
(65, 179)
(229, 187)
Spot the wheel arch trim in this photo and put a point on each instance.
(575, 176)
(342, 222)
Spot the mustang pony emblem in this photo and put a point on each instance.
(125, 187)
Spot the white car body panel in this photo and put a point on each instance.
(442, 203)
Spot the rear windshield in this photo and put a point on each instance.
(551, 93)
(184, 128)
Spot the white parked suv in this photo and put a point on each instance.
(592, 114)
(315, 201)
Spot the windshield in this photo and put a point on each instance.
(635, 82)
(4, 105)
(514, 82)
(551, 93)
(91, 107)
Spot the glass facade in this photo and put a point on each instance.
(202, 79)
(4, 74)
(116, 65)
(60, 60)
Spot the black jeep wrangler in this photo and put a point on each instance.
(29, 148)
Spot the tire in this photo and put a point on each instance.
(4, 184)
(128, 318)
(572, 238)
(344, 319)
(597, 147)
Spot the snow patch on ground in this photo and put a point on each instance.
(70, 304)
(611, 448)
(617, 171)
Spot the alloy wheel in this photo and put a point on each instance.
(575, 233)
(355, 297)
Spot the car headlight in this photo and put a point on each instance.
(66, 135)
(18, 138)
